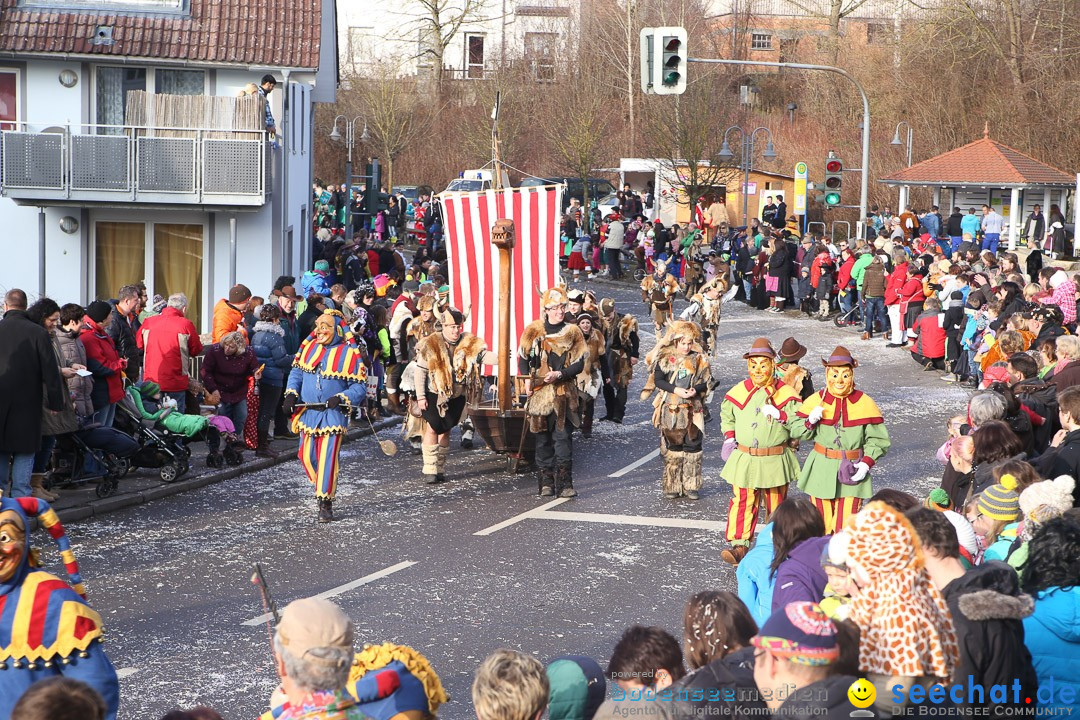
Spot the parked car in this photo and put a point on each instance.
(598, 187)
(608, 204)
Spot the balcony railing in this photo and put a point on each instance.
(110, 163)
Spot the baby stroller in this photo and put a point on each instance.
(92, 453)
(158, 448)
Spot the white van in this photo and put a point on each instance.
(473, 180)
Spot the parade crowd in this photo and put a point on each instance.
(848, 597)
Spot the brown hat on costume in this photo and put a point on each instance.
(575, 296)
(607, 306)
(792, 351)
(313, 623)
(239, 294)
(761, 348)
(553, 297)
(840, 356)
(426, 302)
(289, 291)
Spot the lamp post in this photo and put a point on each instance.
(896, 141)
(747, 160)
(350, 142)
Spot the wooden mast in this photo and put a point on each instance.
(502, 236)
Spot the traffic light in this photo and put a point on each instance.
(834, 179)
(663, 60)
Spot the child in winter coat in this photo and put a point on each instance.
(755, 580)
(821, 280)
(997, 519)
(838, 591)
(148, 401)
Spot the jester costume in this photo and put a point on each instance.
(550, 345)
(681, 420)
(849, 437)
(47, 629)
(448, 373)
(756, 417)
(386, 681)
(658, 292)
(622, 352)
(328, 372)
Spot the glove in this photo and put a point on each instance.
(729, 447)
(771, 412)
(861, 470)
(815, 415)
(332, 402)
(289, 405)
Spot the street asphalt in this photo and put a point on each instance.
(460, 569)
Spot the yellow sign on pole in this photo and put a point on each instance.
(800, 189)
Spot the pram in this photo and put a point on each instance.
(92, 453)
(158, 448)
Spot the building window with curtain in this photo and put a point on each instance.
(9, 98)
(119, 256)
(112, 86)
(180, 82)
(178, 264)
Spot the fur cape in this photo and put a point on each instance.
(444, 370)
(671, 413)
(794, 376)
(621, 369)
(651, 287)
(560, 398)
(590, 380)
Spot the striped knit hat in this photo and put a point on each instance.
(1001, 501)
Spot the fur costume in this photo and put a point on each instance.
(453, 375)
(674, 416)
(560, 397)
(621, 368)
(658, 295)
(589, 380)
(794, 376)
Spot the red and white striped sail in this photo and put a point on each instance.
(474, 261)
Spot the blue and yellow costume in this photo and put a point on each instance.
(46, 626)
(321, 372)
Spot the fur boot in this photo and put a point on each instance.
(691, 474)
(442, 452)
(547, 482)
(672, 480)
(431, 463)
(564, 481)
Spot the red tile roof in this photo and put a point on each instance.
(229, 32)
(983, 162)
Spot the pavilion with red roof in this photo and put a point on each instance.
(991, 173)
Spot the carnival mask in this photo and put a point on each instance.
(761, 369)
(840, 380)
(325, 329)
(12, 543)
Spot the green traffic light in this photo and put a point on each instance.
(672, 78)
(832, 198)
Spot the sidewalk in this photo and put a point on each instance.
(143, 485)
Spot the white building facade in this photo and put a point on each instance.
(374, 34)
(90, 201)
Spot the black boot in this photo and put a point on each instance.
(587, 419)
(326, 510)
(547, 482)
(564, 481)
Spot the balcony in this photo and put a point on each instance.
(95, 164)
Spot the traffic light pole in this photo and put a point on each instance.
(864, 186)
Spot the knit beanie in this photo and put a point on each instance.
(322, 266)
(1056, 494)
(938, 500)
(1000, 502)
(98, 311)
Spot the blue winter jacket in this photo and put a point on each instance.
(801, 576)
(269, 346)
(755, 583)
(313, 282)
(1052, 634)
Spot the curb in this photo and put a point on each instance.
(125, 500)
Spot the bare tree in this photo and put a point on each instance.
(438, 22)
(579, 140)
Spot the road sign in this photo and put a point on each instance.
(800, 188)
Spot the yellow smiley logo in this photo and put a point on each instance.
(862, 693)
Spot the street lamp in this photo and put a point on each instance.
(350, 142)
(747, 161)
(896, 141)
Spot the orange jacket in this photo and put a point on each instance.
(227, 318)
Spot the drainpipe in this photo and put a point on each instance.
(285, 110)
(41, 251)
(232, 251)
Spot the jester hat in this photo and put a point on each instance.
(26, 508)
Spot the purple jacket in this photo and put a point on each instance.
(229, 375)
(801, 576)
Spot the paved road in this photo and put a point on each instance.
(460, 569)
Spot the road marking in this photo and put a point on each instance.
(636, 464)
(126, 672)
(714, 525)
(518, 518)
(344, 588)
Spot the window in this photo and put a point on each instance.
(760, 41)
(876, 33)
(113, 85)
(180, 82)
(119, 256)
(474, 56)
(9, 98)
(361, 46)
(178, 264)
(540, 54)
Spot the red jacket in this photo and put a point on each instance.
(104, 362)
(169, 340)
(372, 263)
(930, 342)
(911, 292)
(843, 275)
(822, 264)
(894, 282)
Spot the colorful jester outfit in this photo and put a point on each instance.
(848, 431)
(46, 626)
(756, 418)
(321, 372)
